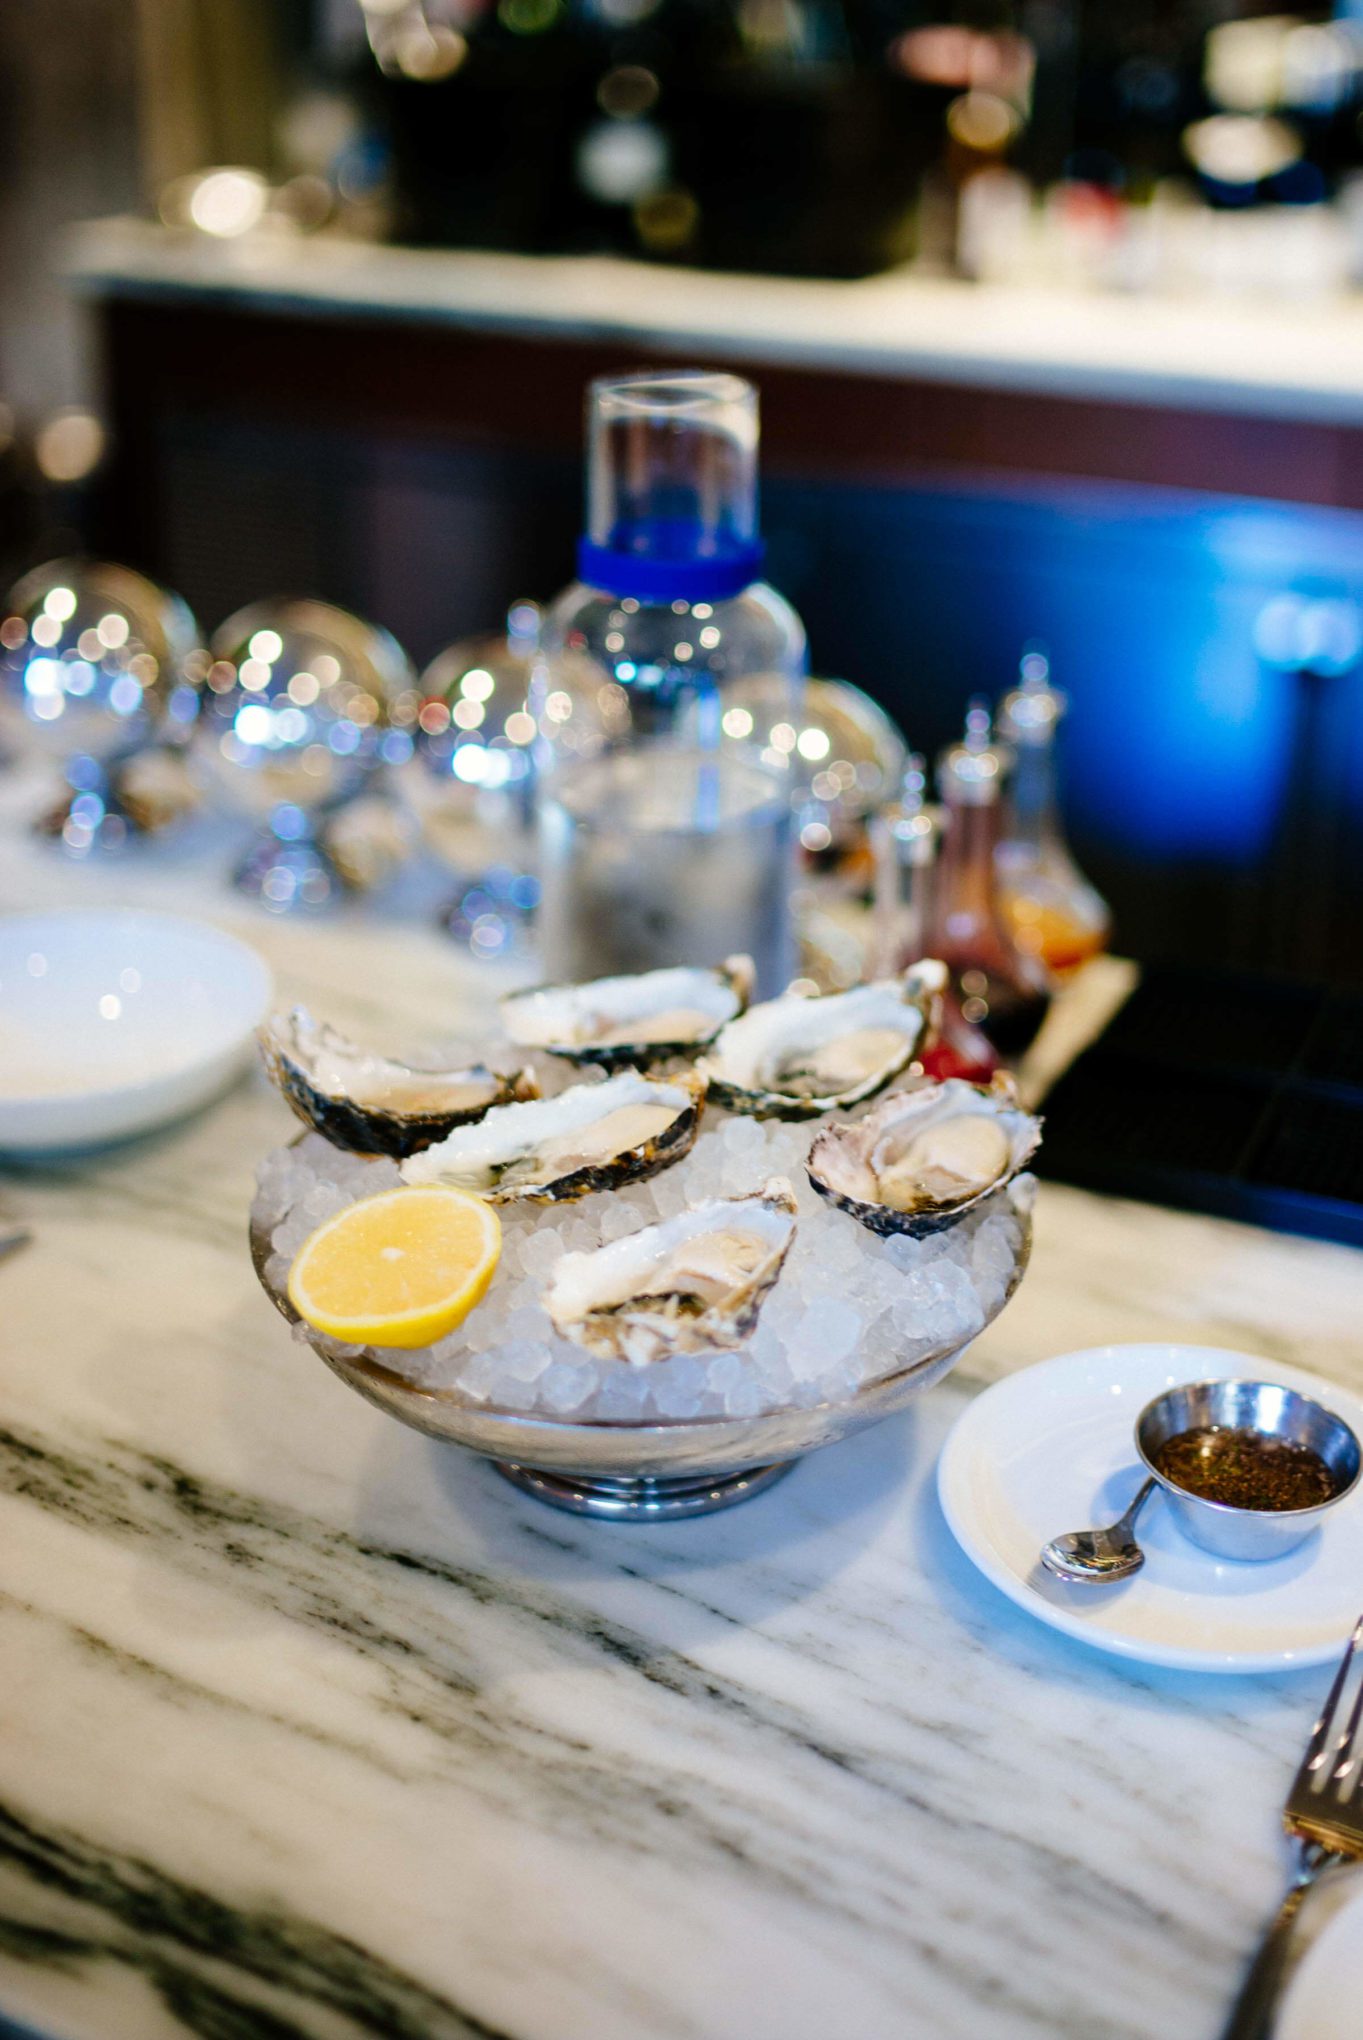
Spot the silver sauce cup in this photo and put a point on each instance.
(1266, 1410)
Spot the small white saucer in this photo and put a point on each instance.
(1051, 1449)
(114, 1023)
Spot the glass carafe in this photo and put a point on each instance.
(665, 818)
(1051, 909)
(998, 987)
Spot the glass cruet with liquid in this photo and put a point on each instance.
(1051, 909)
(997, 986)
(665, 822)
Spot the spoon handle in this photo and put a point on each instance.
(1138, 1501)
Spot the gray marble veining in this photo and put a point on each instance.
(309, 1726)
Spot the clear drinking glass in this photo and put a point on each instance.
(667, 838)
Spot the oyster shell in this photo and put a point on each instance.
(590, 1137)
(923, 1157)
(369, 1102)
(794, 1057)
(638, 1019)
(694, 1284)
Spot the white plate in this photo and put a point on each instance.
(114, 1023)
(1051, 1449)
(1324, 1997)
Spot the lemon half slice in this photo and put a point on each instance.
(399, 1269)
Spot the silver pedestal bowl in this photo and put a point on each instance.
(632, 1473)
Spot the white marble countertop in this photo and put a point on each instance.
(312, 1727)
(1273, 359)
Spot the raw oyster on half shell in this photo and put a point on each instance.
(794, 1057)
(924, 1156)
(593, 1136)
(642, 1018)
(694, 1284)
(371, 1103)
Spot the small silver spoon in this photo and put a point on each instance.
(1085, 1556)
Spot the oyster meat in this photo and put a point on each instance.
(794, 1057)
(590, 1137)
(923, 1157)
(369, 1102)
(640, 1019)
(694, 1284)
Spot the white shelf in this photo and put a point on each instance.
(1287, 361)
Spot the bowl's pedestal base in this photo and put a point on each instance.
(642, 1501)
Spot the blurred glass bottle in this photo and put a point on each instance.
(906, 841)
(1052, 911)
(997, 986)
(666, 836)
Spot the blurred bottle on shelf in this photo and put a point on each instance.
(666, 822)
(906, 840)
(997, 987)
(1298, 76)
(1052, 911)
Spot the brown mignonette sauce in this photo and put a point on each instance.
(1245, 1469)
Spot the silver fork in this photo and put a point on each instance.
(1324, 1816)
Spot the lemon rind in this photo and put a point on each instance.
(422, 1326)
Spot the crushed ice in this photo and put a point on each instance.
(848, 1308)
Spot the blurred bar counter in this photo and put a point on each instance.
(1166, 491)
(1252, 397)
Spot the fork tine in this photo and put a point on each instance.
(1347, 1748)
(1320, 1734)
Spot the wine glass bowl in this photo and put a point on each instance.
(486, 713)
(97, 663)
(302, 702)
